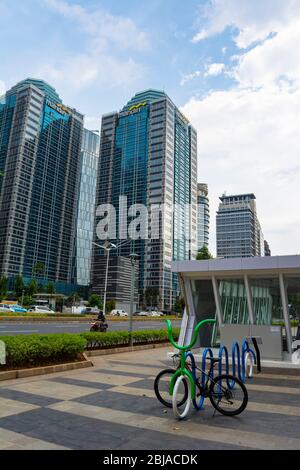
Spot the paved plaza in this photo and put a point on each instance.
(113, 406)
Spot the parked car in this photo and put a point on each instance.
(119, 313)
(143, 313)
(5, 308)
(40, 309)
(155, 313)
(18, 309)
(90, 311)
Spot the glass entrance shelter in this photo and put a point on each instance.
(258, 296)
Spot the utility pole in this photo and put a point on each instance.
(133, 257)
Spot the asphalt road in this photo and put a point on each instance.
(13, 328)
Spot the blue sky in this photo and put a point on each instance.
(38, 34)
(233, 66)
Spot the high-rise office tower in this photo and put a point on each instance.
(239, 232)
(203, 216)
(148, 154)
(86, 207)
(267, 248)
(40, 144)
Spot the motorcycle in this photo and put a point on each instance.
(99, 326)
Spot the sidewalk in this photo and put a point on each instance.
(113, 406)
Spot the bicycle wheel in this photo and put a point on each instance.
(228, 400)
(181, 413)
(161, 388)
(248, 365)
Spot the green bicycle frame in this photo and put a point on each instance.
(182, 370)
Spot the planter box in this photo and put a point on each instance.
(21, 373)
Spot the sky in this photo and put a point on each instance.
(232, 66)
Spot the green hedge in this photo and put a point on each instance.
(122, 338)
(281, 323)
(37, 350)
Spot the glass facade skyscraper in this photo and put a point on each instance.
(40, 144)
(239, 233)
(86, 206)
(203, 216)
(148, 154)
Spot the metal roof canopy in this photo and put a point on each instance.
(229, 267)
(279, 267)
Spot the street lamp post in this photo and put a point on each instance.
(133, 257)
(107, 247)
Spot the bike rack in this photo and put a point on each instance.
(238, 364)
(238, 360)
(206, 352)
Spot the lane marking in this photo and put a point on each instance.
(20, 331)
(68, 326)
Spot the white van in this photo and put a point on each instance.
(119, 313)
(40, 309)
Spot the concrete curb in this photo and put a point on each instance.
(22, 373)
(105, 352)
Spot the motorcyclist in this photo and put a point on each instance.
(101, 317)
(100, 324)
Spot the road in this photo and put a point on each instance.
(13, 328)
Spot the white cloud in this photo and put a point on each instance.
(275, 62)
(249, 141)
(214, 69)
(255, 19)
(92, 123)
(190, 76)
(200, 36)
(104, 60)
(249, 136)
(86, 69)
(103, 27)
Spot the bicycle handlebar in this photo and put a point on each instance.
(185, 348)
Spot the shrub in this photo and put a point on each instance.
(39, 350)
(281, 323)
(36, 350)
(122, 338)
